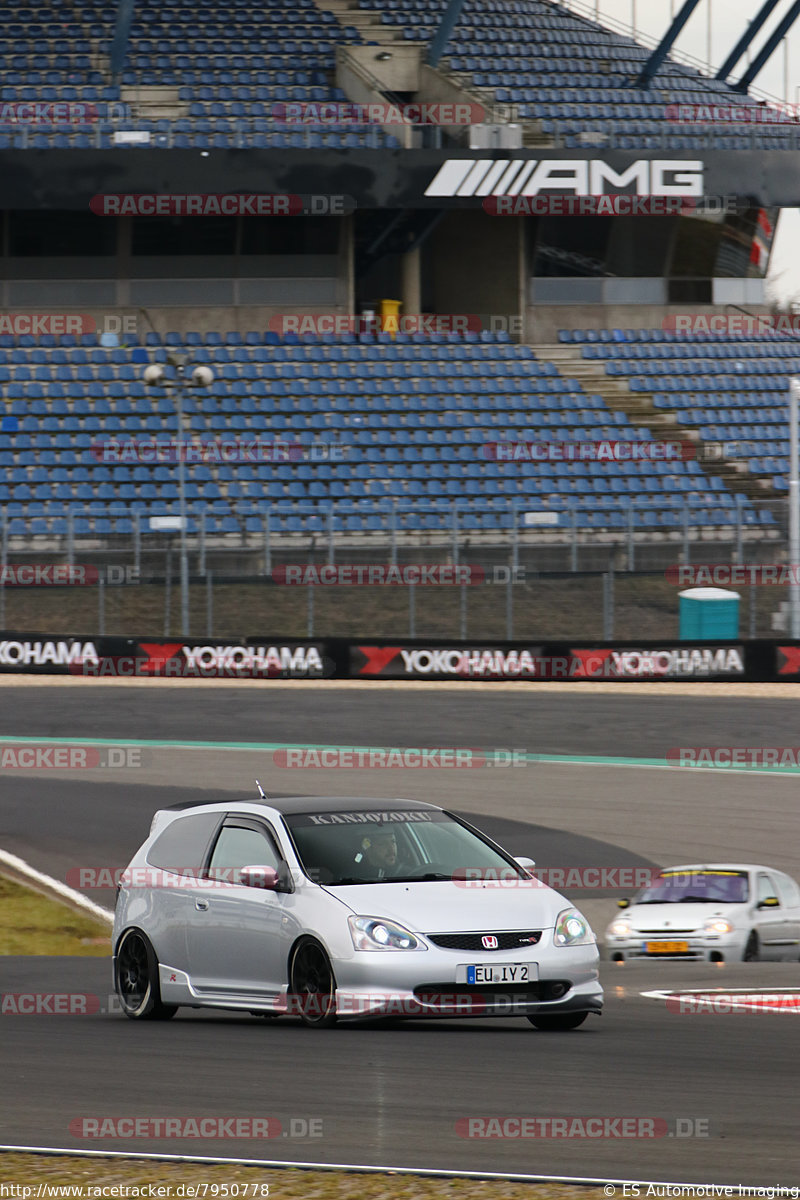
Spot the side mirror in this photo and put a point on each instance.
(623, 904)
(527, 864)
(769, 902)
(259, 877)
(267, 878)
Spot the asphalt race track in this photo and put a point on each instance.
(401, 1094)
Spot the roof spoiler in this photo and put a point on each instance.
(162, 817)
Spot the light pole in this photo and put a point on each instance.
(156, 376)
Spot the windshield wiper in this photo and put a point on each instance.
(700, 900)
(427, 878)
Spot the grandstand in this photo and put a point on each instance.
(410, 416)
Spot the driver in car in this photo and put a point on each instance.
(378, 853)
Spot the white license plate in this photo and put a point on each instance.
(498, 973)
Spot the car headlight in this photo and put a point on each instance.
(619, 928)
(376, 933)
(572, 929)
(718, 925)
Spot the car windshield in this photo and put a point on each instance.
(389, 846)
(683, 887)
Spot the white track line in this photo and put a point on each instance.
(54, 885)
(281, 1164)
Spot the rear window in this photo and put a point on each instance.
(181, 848)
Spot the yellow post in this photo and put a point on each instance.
(390, 313)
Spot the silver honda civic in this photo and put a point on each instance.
(333, 908)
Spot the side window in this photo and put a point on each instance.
(239, 847)
(787, 891)
(766, 888)
(182, 846)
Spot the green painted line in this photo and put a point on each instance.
(598, 760)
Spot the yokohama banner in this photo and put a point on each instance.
(106, 658)
(548, 662)
(267, 657)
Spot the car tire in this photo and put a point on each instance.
(557, 1022)
(752, 948)
(312, 985)
(136, 979)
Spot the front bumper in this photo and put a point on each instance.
(424, 984)
(699, 947)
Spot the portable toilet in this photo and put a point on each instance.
(708, 612)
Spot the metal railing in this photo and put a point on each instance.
(567, 534)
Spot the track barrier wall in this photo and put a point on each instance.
(265, 657)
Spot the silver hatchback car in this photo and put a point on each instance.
(329, 908)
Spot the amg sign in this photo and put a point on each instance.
(578, 177)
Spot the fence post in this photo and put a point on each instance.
(71, 537)
(509, 609)
(331, 556)
(739, 531)
(463, 612)
(687, 553)
(101, 605)
(3, 565)
(573, 517)
(631, 544)
(167, 591)
(455, 534)
(310, 623)
(267, 546)
(202, 563)
(209, 601)
(394, 532)
(137, 542)
(412, 614)
(608, 604)
(753, 591)
(514, 539)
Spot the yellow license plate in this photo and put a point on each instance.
(667, 947)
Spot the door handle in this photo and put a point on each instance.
(201, 905)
